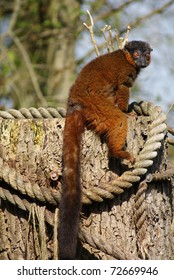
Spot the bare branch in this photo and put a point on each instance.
(107, 41)
(90, 28)
(170, 109)
(152, 13)
(14, 16)
(12, 22)
(112, 10)
(111, 39)
(117, 37)
(132, 25)
(170, 141)
(29, 66)
(170, 130)
(126, 36)
(122, 41)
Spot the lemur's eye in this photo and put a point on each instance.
(136, 54)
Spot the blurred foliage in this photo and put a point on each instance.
(43, 44)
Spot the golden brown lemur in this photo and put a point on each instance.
(98, 100)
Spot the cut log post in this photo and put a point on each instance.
(127, 211)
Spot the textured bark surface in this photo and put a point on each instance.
(33, 148)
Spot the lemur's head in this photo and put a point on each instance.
(138, 53)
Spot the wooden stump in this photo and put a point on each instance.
(121, 227)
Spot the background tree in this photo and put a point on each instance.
(43, 44)
(38, 50)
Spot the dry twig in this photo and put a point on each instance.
(107, 40)
(90, 28)
(132, 25)
(170, 109)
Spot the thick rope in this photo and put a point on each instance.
(34, 191)
(140, 205)
(23, 203)
(105, 247)
(33, 113)
(107, 190)
(143, 161)
(160, 176)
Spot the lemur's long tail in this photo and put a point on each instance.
(70, 203)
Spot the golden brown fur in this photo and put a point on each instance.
(98, 99)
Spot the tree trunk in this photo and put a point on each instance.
(40, 55)
(61, 51)
(118, 221)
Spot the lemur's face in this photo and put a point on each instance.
(140, 52)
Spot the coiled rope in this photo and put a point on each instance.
(106, 247)
(34, 191)
(144, 160)
(33, 113)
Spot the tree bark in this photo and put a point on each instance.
(117, 228)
